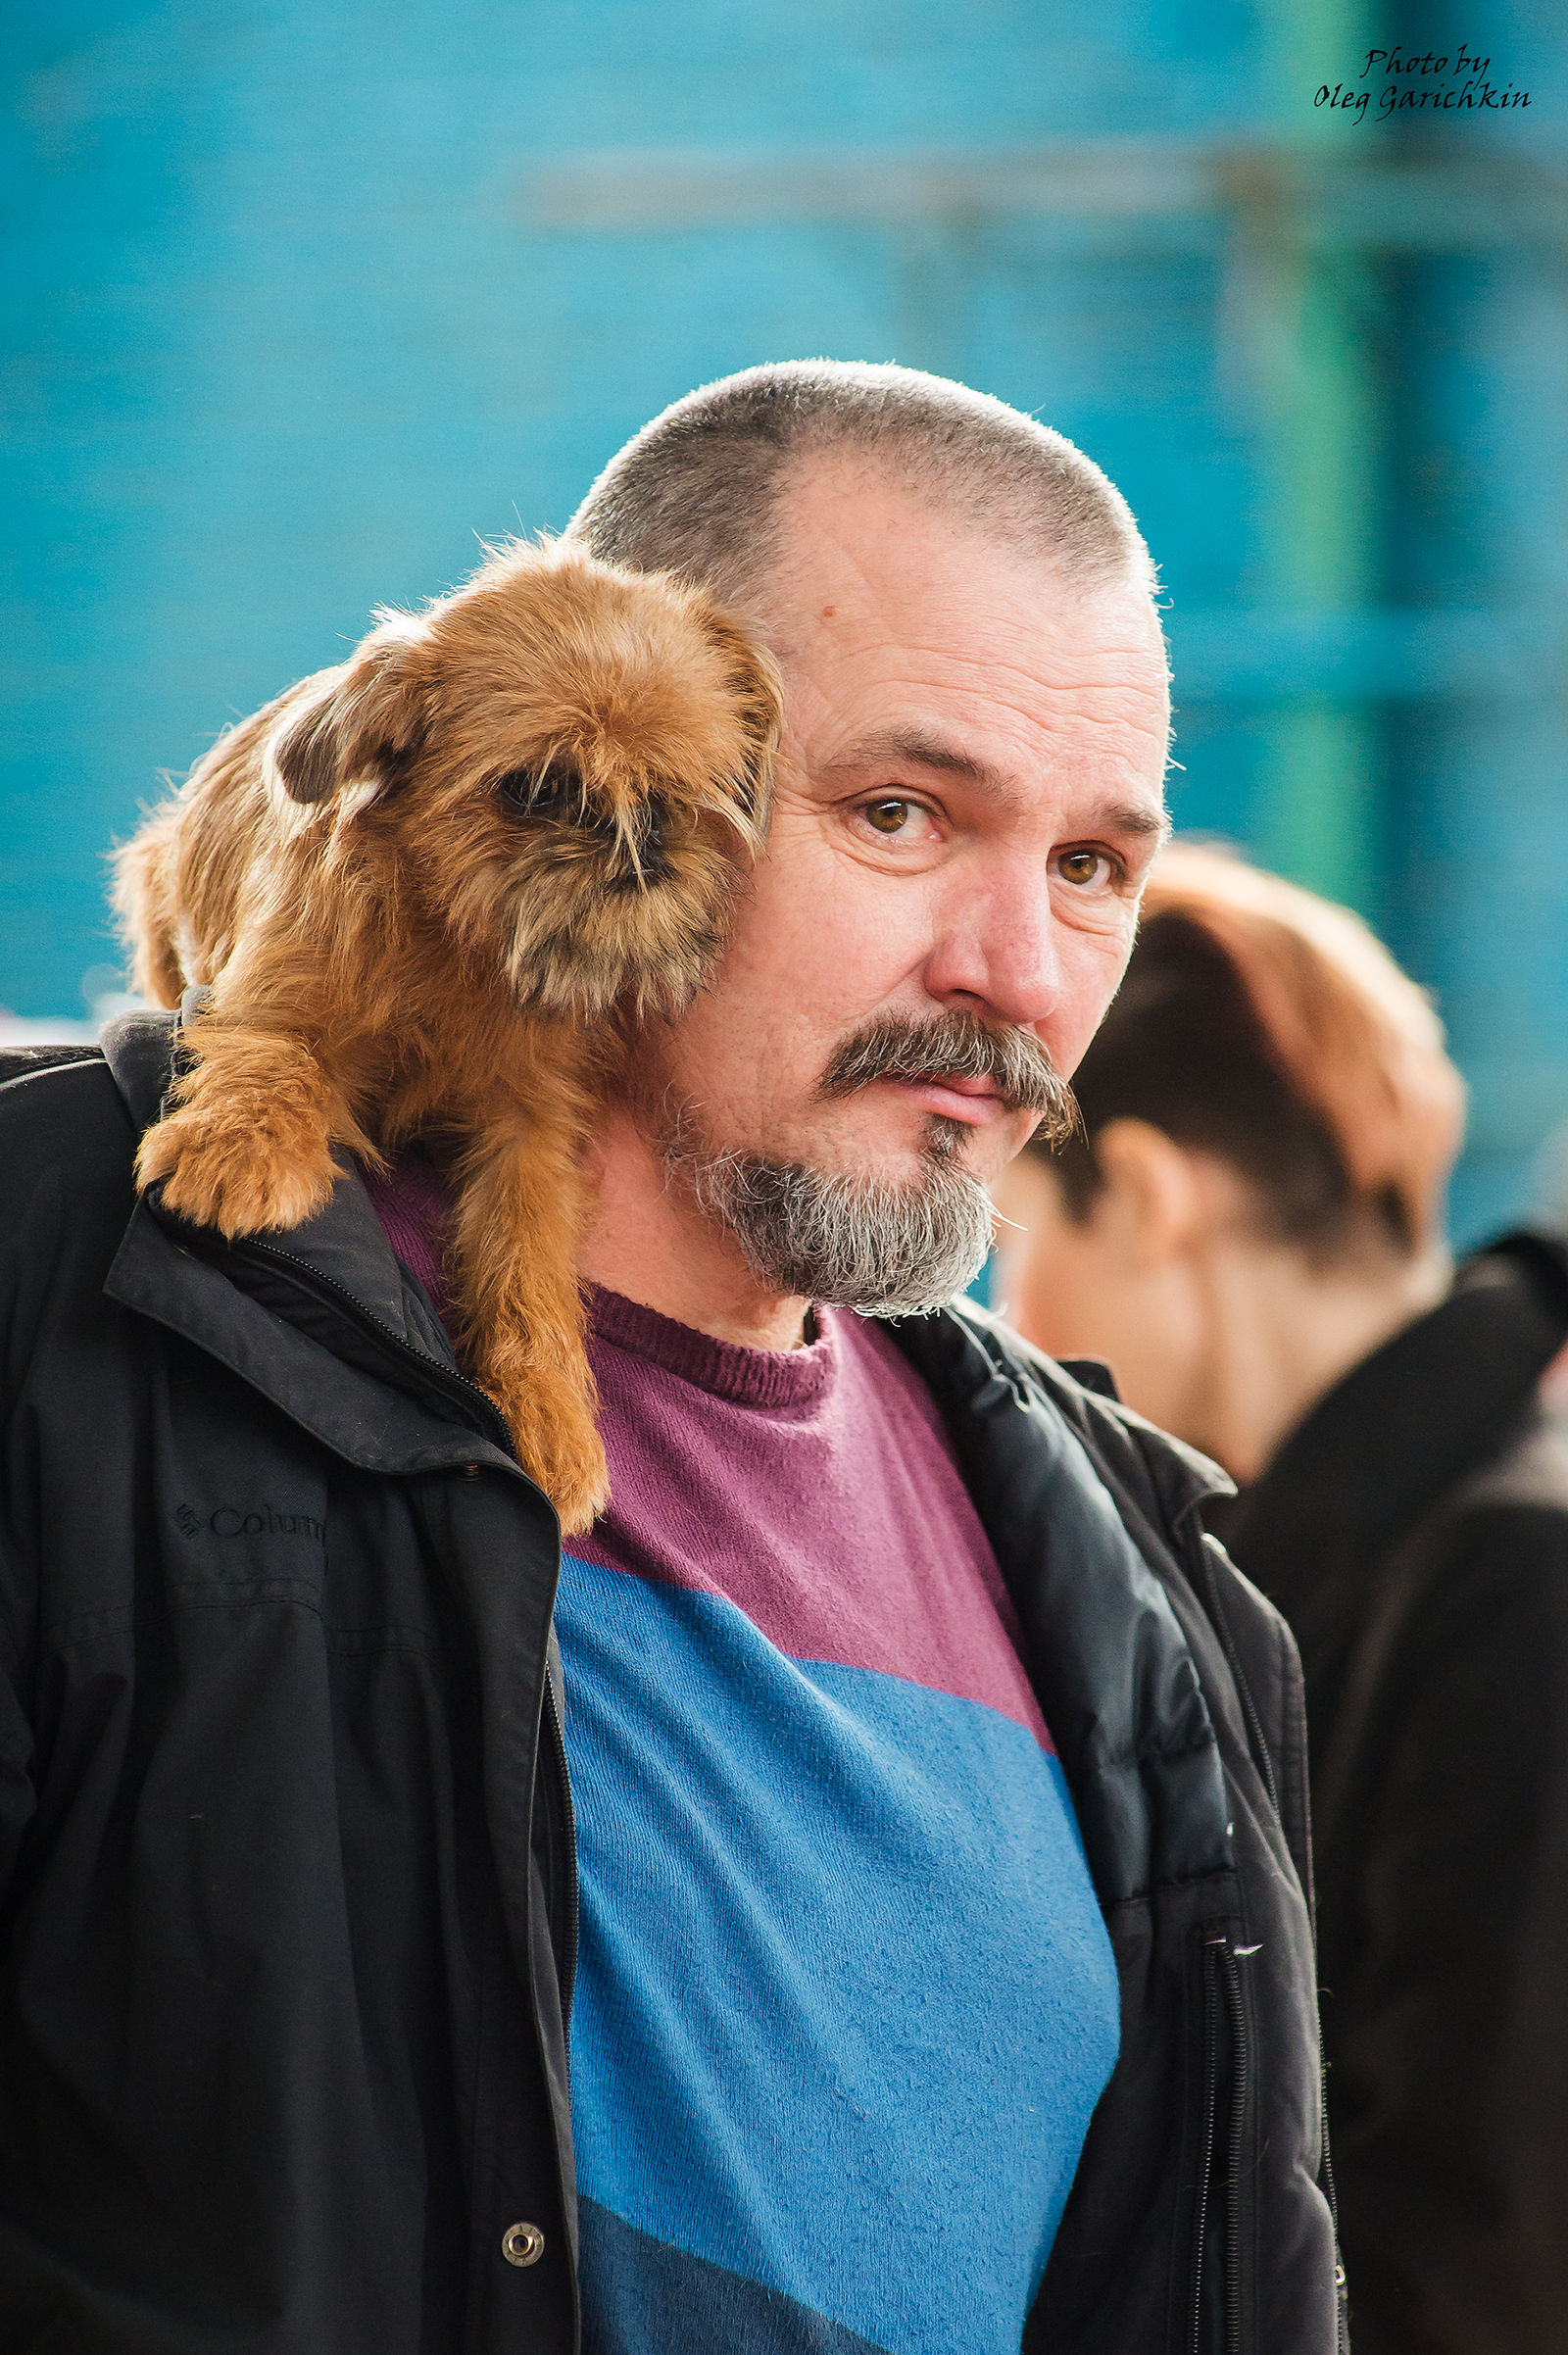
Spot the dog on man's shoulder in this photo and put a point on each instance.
(425, 892)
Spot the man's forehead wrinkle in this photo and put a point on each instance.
(1009, 687)
(825, 542)
(1119, 699)
(931, 748)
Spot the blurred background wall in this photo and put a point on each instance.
(303, 301)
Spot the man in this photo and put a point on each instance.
(934, 1910)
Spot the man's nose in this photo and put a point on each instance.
(998, 953)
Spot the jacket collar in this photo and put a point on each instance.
(322, 1320)
(344, 1244)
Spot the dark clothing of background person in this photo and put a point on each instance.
(288, 1867)
(1414, 1530)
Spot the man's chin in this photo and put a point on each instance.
(887, 1235)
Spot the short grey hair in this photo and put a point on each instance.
(699, 492)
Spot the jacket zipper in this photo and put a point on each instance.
(1240, 2084)
(1325, 2172)
(1210, 2082)
(450, 1379)
(1222, 1981)
(1325, 2177)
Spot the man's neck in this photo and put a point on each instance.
(646, 1238)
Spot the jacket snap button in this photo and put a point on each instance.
(523, 2245)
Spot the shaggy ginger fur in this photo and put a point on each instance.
(422, 888)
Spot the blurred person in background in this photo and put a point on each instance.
(1247, 1229)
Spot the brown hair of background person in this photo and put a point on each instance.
(1246, 1227)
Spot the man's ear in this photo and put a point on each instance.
(350, 725)
(1154, 1190)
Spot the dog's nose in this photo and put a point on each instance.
(656, 864)
(651, 866)
(643, 862)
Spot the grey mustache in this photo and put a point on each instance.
(956, 1047)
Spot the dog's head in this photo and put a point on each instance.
(571, 762)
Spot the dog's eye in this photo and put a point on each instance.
(555, 794)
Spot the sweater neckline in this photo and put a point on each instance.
(724, 1369)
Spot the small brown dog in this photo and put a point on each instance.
(424, 889)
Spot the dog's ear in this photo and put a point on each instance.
(349, 726)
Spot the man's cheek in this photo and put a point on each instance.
(1091, 987)
(1101, 964)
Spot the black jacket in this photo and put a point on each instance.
(1415, 1530)
(289, 1897)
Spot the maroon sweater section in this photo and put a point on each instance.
(815, 1489)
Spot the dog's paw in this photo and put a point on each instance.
(237, 1173)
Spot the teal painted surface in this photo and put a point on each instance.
(299, 304)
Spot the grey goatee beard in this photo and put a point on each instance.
(879, 1245)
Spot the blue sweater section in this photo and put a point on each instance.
(844, 2001)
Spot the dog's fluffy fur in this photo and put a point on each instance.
(425, 890)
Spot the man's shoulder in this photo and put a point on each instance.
(25, 1063)
(1156, 1482)
(79, 1111)
(1182, 1479)
(50, 1096)
(63, 1123)
(1164, 1476)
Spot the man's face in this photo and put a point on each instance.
(967, 799)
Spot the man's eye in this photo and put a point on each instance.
(1084, 869)
(889, 817)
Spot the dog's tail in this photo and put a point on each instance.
(178, 884)
(144, 893)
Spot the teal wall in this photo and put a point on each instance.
(302, 302)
